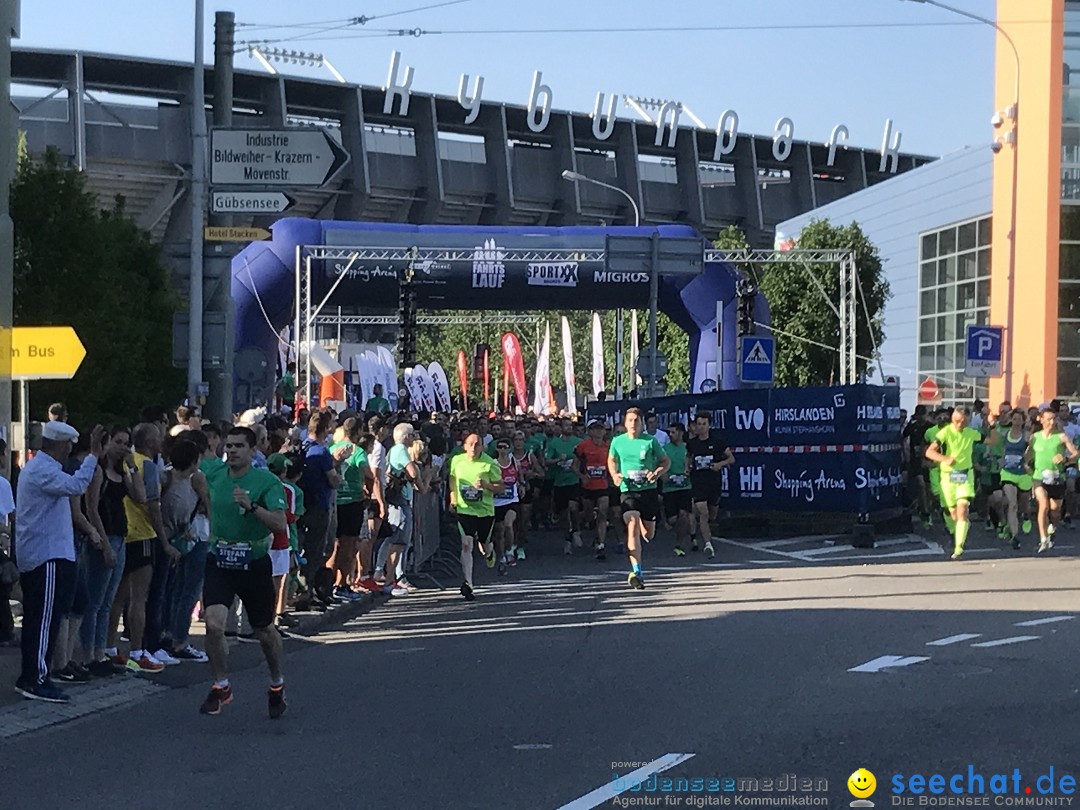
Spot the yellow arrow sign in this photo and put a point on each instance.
(213, 233)
(45, 353)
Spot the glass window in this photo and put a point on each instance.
(1070, 262)
(929, 246)
(946, 328)
(1068, 379)
(943, 358)
(1070, 223)
(928, 274)
(926, 359)
(946, 299)
(983, 261)
(947, 241)
(962, 321)
(967, 236)
(985, 227)
(926, 302)
(966, 266)
(965, 298)
(1069, 300)
(946, 270)
(982, 294)
(1069, 339)
(926, 330)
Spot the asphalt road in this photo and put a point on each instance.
(559, 679)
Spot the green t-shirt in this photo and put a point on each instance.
(678, 476)
(298, 511)
(351, 488)
(377, 405)
(464, 473)
(228, 521)
(990, 462)
(288, 386)
(1044, 449)
(959, 444)
(211, 467)
(563, 471)
(634, 458)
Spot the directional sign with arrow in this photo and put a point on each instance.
(250, 202)
(45, 353)
(274, 157)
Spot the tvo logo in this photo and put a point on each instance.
(749, 419)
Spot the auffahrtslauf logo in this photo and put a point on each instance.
(553, 274)
(488, 271)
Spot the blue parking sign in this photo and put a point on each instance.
(757, 356)
(983, 355)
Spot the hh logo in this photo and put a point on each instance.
(751, 480)
(749, 420)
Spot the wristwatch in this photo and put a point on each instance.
(251, 509)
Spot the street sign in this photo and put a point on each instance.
(675, 255)
(928, 390)
(45, 353)
(250, 202)
(983, 355)
(892, 380)
(274, 157)
(757, 356)
(214, 233)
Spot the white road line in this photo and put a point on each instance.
(758, 547)
(545, 610)
(1048, 620)
(767, 562)
(792, 541)
(889, 661)
(1003, 641)
(612, 789)
(945, 642)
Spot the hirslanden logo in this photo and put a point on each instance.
(488, 272)
(553, 274)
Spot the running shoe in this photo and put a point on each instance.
(1045, 545)
(1016, 543)
(71, 674)
(276, 701)
(503, 570)
(343, 594)
(369, 584)
(635, 581)
(568, 549)
(219, 696)
(1026, 526)
(189, 653)
(709, 551)
(578, 543)
(102, 669)
(145, 663)
(989, 525)
(42, 691)
(404, 583)
(600, 555)
(511, 560)
(521, 552)
(489, 558)
(956, 555)
(1051, 530)
(467, 591)
(679, 552)
(164, 657)
(399, 590)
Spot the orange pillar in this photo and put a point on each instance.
(1033, 167)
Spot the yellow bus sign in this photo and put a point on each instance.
(45, 353)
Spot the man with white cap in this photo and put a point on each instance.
(45, 549)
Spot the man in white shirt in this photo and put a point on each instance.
(652, 430)
(45, 550)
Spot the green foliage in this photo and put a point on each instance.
(442, 343)
(100, 273)
(798, 308)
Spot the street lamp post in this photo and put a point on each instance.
(577, 177)
(1013, 114)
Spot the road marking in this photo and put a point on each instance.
(1003, 641)
(944, 642)
(612, 789)
(888, 661)
(1048, 620)
(405, 650)
(531, 747)
(792, 541)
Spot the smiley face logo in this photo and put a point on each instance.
(862, 784)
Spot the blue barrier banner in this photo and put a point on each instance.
(797, 449)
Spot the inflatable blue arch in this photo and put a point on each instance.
(264, 278)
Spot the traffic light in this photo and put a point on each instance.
(745, 293)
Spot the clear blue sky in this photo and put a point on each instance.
(933, 77)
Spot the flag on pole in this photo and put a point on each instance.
(597, 355)
(543, 374)
(463, 378)
(635, 381)
(513, 360)
(568, 367)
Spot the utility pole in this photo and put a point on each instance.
(198, 206)
(9, 121)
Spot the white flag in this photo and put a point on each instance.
(543, 374)
(568, 367)
(389, 374)
(425, 388)
(442, 386)
(597, 355)
(635, 380)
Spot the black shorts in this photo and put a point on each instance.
(595, 495)
(646, 502)
(478, 528)
(351, 518)
(138, 554)
(677, 500)
(500, 511)
(1054, 492)
(564, 495)
(254, 587)
(705, 488)
(546, 487)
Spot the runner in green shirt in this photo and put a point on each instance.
(635, 463)
(952, 448)
(474, 480)
(566, 495)
(677, 500)
(377, 403)
(1050, 450)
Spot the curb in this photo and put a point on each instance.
(338, 614)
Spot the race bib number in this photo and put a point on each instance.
(566, 464)
(958, 477)
(1013, 462)
(677, 480)
(509, 494)
(702, 462)
(1051, 476)
(596, 472)
(636, 476)
(471, 494)
(233, 556)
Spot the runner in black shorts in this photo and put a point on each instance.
(707, 455)
(474, 481)
(246, 507)
(591, 466)
(678, 503)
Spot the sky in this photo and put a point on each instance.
(818, 62)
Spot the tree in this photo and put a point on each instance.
(100, 273)
(803, 317)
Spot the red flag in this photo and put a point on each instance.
(463, 378)
(487, 379)
(506, 383)
(512, 355)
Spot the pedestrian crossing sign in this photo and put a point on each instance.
(756, 359)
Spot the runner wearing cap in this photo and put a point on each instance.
(636, 462)
(591, 459)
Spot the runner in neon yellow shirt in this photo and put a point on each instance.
(952, 449)
(1047, 454)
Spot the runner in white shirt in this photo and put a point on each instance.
(652, 430)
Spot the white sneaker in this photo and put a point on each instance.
(577, 540)
(568, 549)
(192, 654)
(1045, 545)
(163, 657)
(709, 550)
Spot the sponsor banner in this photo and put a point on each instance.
(425, 388)
(542, 398)
(481, 279)
(442, 386)
(513, 360)
(568, 367)
(597, 355)
(389, 372)
(463, 377)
